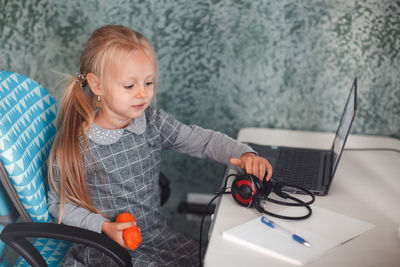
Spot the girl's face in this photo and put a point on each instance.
(129, 91)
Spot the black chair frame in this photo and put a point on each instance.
(15, 235)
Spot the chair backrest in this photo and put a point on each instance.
(27, 129)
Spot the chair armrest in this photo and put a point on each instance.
(14, 235)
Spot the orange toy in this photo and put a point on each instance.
(132, 235)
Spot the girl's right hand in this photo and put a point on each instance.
(114, 231)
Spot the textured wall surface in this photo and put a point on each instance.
(228, 64)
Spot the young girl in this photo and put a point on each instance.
(106, 156)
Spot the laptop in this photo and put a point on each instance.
(312, 169)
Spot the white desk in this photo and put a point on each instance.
(366, 186)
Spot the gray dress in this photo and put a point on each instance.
(122, 168)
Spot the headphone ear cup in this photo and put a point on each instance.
(257, 202)
(258, 184)
(267, 187)
(244, 188)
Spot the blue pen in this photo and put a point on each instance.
(284, 231)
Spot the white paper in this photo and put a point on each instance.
(323, 230)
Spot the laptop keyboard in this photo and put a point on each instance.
(299, 167)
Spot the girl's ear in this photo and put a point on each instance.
(94, 84)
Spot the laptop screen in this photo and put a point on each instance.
(344, 126)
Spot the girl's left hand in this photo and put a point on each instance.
(254, 165)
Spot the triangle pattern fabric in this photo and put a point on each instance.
(52, 250)
(27, 129)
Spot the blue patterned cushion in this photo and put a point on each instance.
(53, 252)
(27, 128)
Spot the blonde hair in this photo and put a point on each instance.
(104, 48)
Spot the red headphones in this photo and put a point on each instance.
(248, 191)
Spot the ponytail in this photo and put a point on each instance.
(74, 117)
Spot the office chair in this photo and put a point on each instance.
(27, 129)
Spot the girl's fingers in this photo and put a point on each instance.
(269, 170)
(237, 162)
(256, 168)
(248, 166)
(125, 225)
(262, 171)
(254, 165)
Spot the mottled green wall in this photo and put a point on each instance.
(230, 64)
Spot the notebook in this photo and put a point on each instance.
(255, 235)
(312, 169)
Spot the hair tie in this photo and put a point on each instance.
(81, 79)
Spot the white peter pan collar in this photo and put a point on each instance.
(104, 136)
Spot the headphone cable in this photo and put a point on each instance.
(218, 194)
(202, 221)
